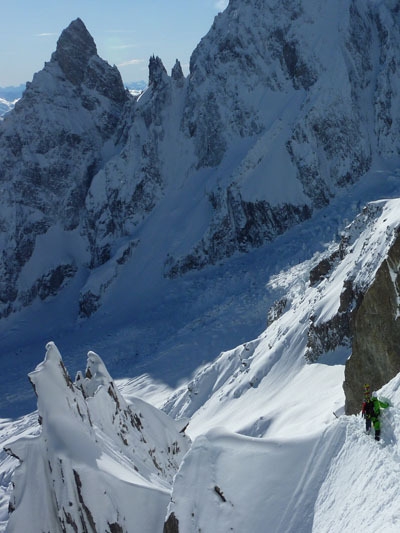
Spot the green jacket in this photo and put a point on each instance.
(378, 405)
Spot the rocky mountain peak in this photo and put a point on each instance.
(75, 47)
(177, 73)
(157, 72)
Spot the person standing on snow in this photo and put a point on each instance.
(371, 411)
(367, 409)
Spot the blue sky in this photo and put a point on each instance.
(126, 32)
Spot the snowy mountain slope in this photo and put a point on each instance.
(325, 482)
(52, 144)
(174, 326)
(137, 192)
(293, 461)
(267, 447)
(247, 484)
(97, 463)
(282, 108)
(286, 107)
(10, 431)
(258, 373)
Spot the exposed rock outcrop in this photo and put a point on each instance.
(171, 525)
(375, 357)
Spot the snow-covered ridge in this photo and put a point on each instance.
(282, 457)
(318, 483)
(98, 464)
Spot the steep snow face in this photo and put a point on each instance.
(283, 99)
(312, 321)
(316, 484)
(282, 457)
(369, 468)
(246, 484)
(97, 464)
(278, 112)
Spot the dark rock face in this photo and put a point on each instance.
(157, 73)
(238, 226)
(75, 47)
(375, 357)
(338, 331)
(171, 525)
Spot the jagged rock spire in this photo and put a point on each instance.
(74, 49)
(177, 73)
(157, 71)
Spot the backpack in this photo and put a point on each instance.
(369, 409)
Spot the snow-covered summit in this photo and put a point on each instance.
(52, 143)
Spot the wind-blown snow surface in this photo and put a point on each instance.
(336, 480)
(268, 453)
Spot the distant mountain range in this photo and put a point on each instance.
(12, 93)
(8, 97)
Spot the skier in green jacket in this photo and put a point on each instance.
(375, 416)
